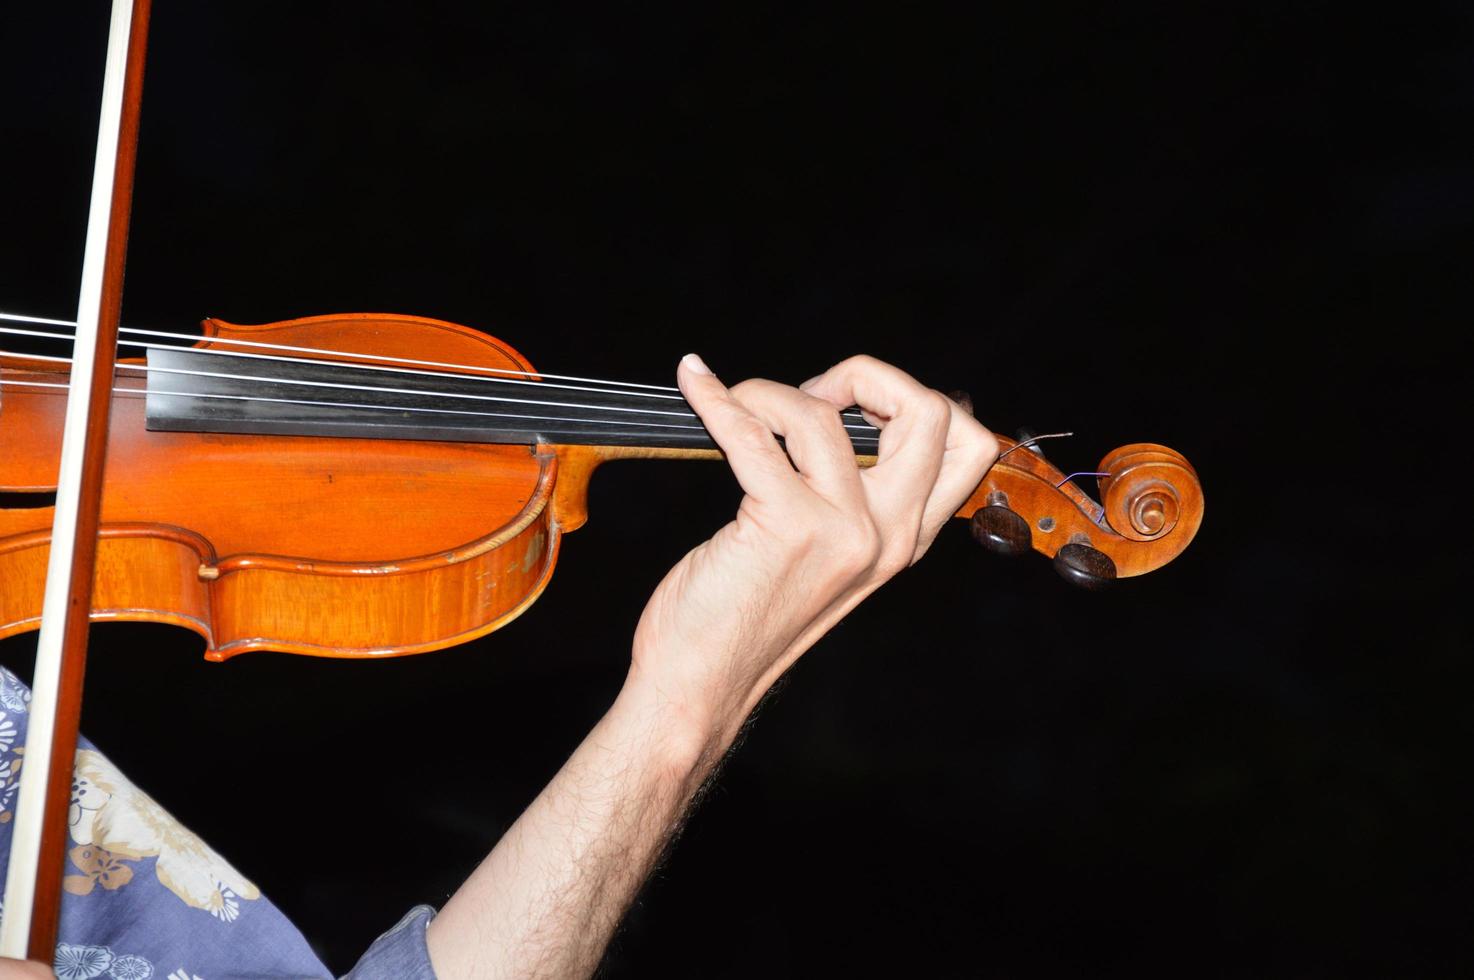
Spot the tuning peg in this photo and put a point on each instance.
(1082, 565)
(999, 529)
(963, 400)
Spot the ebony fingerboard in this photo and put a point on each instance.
(229, 393)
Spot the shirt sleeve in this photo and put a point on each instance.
(400, 953)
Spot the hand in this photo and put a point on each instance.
(812, 537)
(24, 970)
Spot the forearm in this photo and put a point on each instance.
(546, 900)
(813, 536)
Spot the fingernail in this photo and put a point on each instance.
(806, 384)
(695, 364)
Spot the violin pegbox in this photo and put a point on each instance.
(1152, 507)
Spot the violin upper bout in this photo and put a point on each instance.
(385, 335)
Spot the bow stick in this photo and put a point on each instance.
(38, 848)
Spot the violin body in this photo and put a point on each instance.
(374, 547)
(315, 545)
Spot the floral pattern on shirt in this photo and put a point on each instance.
(10, 782)
(14, 696)
(113, 814)
(131, 968)
(78, 962)
(98, 867)
(7, 733)
(81, 962)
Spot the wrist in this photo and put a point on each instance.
(685, 736)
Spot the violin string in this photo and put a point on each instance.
(849, 414)
(1081, 473)
(146, 345)
(644, 390)
(392, 408)
(296, 382)
(258, 344)
(379, 389)
(1024, 444)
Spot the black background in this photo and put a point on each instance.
(1240, 232)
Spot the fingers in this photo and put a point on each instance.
(932, 453)
(813, 434)
(970, 450)
(913, 422)
(743, 420)
(756, 459)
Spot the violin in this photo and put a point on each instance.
(372, 485)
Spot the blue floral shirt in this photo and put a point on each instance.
(145, 898)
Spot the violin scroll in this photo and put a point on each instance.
(1152, 508)
(1148, 490)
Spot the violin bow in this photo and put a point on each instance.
(38, 848)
